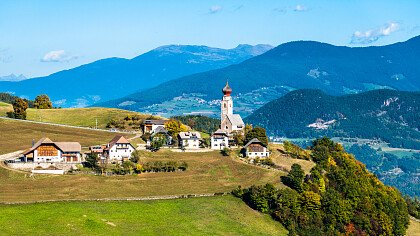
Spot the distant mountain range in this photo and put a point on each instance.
(337, 70)
(390, 115)
(116, 77)
(12, 78)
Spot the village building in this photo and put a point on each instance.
(255, 148)
(164, 132)
(219, 140)
(229, 123)
(149, 126)
(118, 149)
(189, 140)
(46, 150)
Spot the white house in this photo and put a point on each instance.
(189, 140)
(118, 149)
(219, 140)
(149, 126)
(255, 148)
(46, 150)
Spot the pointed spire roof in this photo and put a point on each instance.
(227, 90)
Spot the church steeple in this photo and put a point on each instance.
(227, 103)
(227, 90)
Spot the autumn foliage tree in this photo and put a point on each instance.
(43, 102)
(19, 109)
(338, 197)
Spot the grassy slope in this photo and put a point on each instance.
(85, 117)
(198, 216)
(18, 135)
(208, 172)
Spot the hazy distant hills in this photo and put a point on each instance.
(393, 116)
(12, 78)
(303, 64)
(116, 77)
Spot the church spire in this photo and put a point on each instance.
(227, 90)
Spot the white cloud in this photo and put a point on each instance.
(300, 8)
(374, 35)
(215, 9)
(58, 56)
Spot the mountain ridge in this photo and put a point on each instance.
(336, 70)
(115, 77)
(390, 115)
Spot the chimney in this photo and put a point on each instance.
(33, 142)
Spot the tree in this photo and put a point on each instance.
(258, 133)
(43, 102)
(225, 151)
(205, 143)
(135, 156)
(174, 127)
(295, 178)
(239, 138)
(157, 142)
(19, 109)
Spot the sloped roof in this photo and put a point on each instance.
(235, 119)
(190, 135)
(254, 140)
(220, 132)
(63, 146)
(160, 129)
(69, 146)
(117, 139)
(154, 122)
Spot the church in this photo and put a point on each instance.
(229, 123)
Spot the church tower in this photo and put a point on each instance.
(227, 102)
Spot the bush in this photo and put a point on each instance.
(225, 151)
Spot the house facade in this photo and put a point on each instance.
(45, 150)
(149, 126)
(219, 140)
(118, 149)
(189, 140)
(255, 148)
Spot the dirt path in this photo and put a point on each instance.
(150, 198)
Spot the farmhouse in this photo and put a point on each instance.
(255, 148)
(219, 140)
(189, 140)
(149, 126)
(118, 149)
(46, 150)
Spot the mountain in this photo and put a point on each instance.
(116, 77)
(13, 78)
(336, 70)
(390, 115)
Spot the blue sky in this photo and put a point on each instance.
(41, 37)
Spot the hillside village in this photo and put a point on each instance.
(48, 156)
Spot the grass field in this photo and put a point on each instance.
(85, 117)
(18, 135)
(208, 172)
(195, 216)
